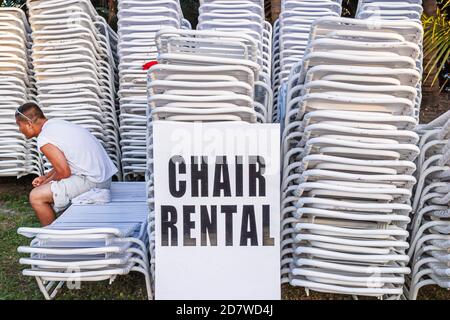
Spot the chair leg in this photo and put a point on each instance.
(43, 288)
(56, 290)
(149, 286)
(147, 281)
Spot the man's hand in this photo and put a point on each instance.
(38, 181)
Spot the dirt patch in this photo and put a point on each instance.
(11, 185)
(432, 111)
(6, 211)
(6, 225)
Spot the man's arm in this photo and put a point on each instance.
(50, 176)
(61, 169)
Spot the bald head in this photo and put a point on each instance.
(30, 119)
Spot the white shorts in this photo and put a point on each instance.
(66, 189)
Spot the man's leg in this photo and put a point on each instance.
(41, 199)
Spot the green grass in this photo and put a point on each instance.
(16, 212)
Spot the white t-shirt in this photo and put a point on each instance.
(84, 153)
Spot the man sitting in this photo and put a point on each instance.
(79, 161)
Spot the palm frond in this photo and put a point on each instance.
(436, 42)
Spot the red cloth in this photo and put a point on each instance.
(150, 64)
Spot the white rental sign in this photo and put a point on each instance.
(217, 198)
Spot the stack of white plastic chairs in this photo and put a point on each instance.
(430, 228)
(349, 150)
(291, 32)
(18, 156)
(248, 18)
(91, 243)
(205, 76)
(75, 67)
(200, 76)
(138, 21)
(407, 10)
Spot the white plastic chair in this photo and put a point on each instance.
(91, 243)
